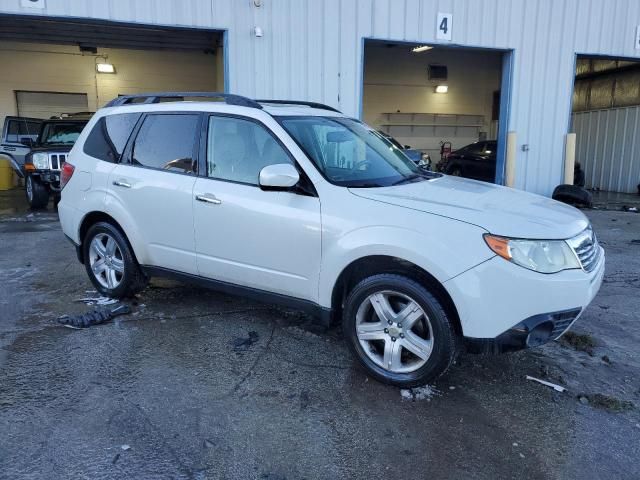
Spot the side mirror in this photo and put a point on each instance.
(407, 147)
(280, 176)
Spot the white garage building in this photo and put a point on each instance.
(510, 65)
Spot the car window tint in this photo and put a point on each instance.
(166, 142)
(109, 136)
(473, 149)
(18, 129)
(238, 149)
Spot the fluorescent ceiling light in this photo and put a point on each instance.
(442, 89)
(421, 48)
(105, 68)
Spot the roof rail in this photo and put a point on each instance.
(146, 98)
(298, 102)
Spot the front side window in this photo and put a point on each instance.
(166, 142)
(238, 149)
(348, 153)
(109, 136)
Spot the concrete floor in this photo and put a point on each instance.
(193, 393)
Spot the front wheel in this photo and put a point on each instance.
(110, 262)
(398, 330)
(37, 193)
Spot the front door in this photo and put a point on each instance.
(260, 239)
(155, 183)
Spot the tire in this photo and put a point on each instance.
(573, 195)
(437, 341)
(37, 193)
(113, 269)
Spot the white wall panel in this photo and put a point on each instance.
(312, 48)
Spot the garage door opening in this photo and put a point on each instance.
(442, 102)
(57, 66)
(606, 120)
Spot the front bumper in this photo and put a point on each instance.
(506, 307)
(50, 177)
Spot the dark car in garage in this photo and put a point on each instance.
(476, 160)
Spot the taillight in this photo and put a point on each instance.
(65, 174)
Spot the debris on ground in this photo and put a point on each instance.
(626, 208)
(426, 392)
(125, 447)
(605, 402)
(557, 388)
(97, 300)
(242, 344)
(94, 317)
(581, 342)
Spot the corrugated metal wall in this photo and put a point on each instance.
(608, 148)
(312, 49)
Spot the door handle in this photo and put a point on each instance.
(208, 198)
(120, 183)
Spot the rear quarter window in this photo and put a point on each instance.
(109, 136)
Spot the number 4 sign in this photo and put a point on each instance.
(444, 26)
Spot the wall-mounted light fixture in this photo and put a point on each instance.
(421, 48)
(442, 88)
(105, 68)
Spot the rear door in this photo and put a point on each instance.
(154, 186)
(18, 134)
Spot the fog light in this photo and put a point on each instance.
(540, 335)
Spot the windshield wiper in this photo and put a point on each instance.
(365, 185)
(408, 179)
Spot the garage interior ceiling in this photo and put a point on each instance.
(106, 35)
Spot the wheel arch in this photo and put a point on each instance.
(92, 218)
(364, 267)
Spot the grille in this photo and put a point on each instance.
(587, 249)
(562, 321)
(56, 160)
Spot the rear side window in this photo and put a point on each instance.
(109, 136)
(166, 142)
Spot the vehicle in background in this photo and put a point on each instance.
(19, 135)
(476, 161)
(418, 157)
(44, 162)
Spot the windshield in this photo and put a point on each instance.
(350, 154)
(60, 133)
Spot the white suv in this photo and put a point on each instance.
(295, 203)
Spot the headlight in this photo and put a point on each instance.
(40, 161)
(544, 256)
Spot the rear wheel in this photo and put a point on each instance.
(37, 193)
(398, 330)
(110, 262)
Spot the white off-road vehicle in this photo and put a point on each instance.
(296, 203)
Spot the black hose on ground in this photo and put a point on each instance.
(95, 317)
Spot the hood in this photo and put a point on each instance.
(52, 148)
(499, 210)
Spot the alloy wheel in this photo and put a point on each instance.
(394, 331)
(105, 260)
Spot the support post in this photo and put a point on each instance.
(510, 167)
(569, 158)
